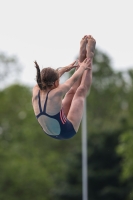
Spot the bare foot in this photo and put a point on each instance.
(90, 47)
(82, 53)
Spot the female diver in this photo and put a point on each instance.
(59, 107)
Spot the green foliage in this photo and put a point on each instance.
(35, 166)
(125, 149)
(107, 97)
(9, 69)
(32, 164)
(104, 167)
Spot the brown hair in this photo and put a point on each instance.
(46, 77)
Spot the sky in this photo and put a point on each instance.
(50, 31)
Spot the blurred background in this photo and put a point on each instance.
(32, 165)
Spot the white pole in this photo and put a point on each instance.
(84, 156)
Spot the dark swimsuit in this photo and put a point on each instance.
(66, 128)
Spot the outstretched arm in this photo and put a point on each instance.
(62, 70)
(63, 88)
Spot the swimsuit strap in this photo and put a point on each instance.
(45, 104)
(39, 102)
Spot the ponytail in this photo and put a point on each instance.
(38, 76)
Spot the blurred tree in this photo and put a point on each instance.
(31, 163)
(35, 166)
(9, 69)
(125, 147)
(106, 110)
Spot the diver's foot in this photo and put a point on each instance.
(90, 47)
(82, 53)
